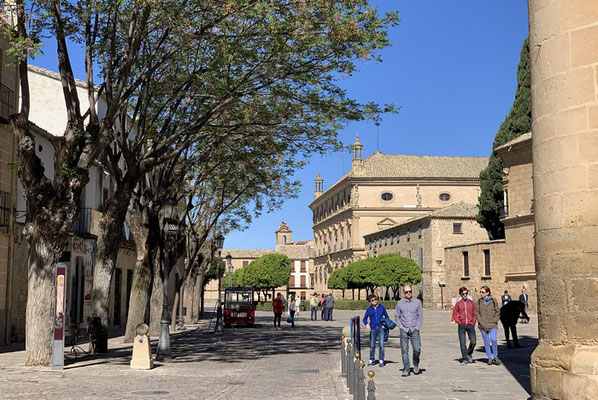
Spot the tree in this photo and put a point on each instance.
(394, 271)
(266, 273)
(518, 122)
(339, 279)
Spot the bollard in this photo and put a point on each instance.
(371, 386)
(356, 375)
(343, 357)
(350, 358)
(361, 382)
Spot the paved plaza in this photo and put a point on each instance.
(262, 363)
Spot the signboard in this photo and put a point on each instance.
(59, 320)
(87, 289)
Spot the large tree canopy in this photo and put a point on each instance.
(518, 122)
(267, 272)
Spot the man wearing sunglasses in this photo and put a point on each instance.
(409, 316)
(464, 315)
(375, 313)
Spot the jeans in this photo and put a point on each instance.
(377, 334)
(314, 313)
(323, 313)
(277, 318)
(466, 351)
(406, 337)
(292, 312)
(491, 352)
(329, 313)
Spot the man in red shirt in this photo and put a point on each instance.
(464, 316)
(277, 308)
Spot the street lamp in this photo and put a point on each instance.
(170, 229)
(219, 245)
(229, 262)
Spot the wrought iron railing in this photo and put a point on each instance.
(82, 224)
(7, 102)
(4, 208)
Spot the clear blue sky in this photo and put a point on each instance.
(452, 70)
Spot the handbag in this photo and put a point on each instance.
(289, 320)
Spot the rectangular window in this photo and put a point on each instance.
(408, 253)
(408, 234)
(419, 232)
(303, 281)
(311, 278)
(245, 263)
(420, 258)
(486, 262)
(303, 267)
(457, 228)
(465, 263)
(292, 281)
(392, 238)
(385, 240)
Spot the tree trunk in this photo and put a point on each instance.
(41, 292)
(156, 300)
(175, 310)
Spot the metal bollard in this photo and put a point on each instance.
(350, 358)
(371, 386)
(361, 382)
(356, 376)
(343, 357)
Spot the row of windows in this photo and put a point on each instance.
(302, 266)
(389, 238)
(386, 196)
(486, 263)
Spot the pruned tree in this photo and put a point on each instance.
(265, 273)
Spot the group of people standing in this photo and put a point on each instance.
(466, 313)
(325, 304)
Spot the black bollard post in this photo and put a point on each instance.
(371, 386)
(343, 357)
(350, 361)
(361, 382)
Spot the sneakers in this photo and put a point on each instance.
(381, 363)
(464, 362)
(490, 361)
(370, 363)
(496, 361)
(470, 359)
(415, 369)
(405, 373)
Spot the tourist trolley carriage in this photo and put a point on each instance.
(238, 306)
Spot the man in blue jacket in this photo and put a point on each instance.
(375, 313)
(409, 317)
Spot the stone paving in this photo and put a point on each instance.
(262, 363)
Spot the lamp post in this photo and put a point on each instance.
(169, 229)
(219, 246)
(229, 263)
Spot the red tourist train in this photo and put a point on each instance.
(238, 306)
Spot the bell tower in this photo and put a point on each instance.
(319, 186)
(357, 149)
(283, 234)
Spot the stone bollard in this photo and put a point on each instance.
(371, 386)
(361, 382)
(142, 351)
(350, 362)
(356, 375)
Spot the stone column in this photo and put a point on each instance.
(564, 67)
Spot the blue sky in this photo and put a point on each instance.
(452, 70)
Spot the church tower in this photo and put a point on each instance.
(319, 186)
(283, 234)
(357, 148)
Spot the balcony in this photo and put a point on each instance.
(7, 103)
(82, 225)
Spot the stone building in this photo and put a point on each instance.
(564, 77)
(8, 105)
(424, 239)
(380, 192)
(301, 254)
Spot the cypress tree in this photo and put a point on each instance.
(516, 123)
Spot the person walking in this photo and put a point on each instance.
(297, 305)
(329, 303)
(409, 317)
(487, 314)
(277, 308)
(292, 309)
(464, 316)
(374, 314)
(505, 298)
(322, 305)
(509, 315)
(313, 307)
(524, 298)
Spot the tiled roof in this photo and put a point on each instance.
(380, 165)
(296, 251)
(518, 139)
(249, 253)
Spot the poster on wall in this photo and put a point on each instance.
(87, 288)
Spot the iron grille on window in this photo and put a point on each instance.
(465, 263)
(487, 262)
(7, 102)
(4, 208)
(83, 222)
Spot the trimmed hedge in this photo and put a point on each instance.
(339, 305)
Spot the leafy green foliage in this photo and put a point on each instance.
(267, 272)
(518, 122)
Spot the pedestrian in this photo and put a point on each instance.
(322, 305)
(505, 298)
(313, 307)
(509, 315)
(375, 313)
(292, 309)
(277, 308)
(524, 298)
(329, 303)
(297, 305)
(487, 314)
(409, 316)
(284, 304)
(464, 315)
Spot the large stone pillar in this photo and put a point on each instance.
(564, 67)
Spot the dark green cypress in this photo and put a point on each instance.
(518, 122)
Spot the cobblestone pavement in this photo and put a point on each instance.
(262, 363)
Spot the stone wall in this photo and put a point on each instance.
(564, 71)
(19, 286)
